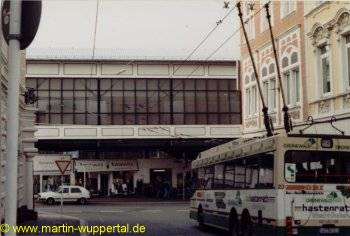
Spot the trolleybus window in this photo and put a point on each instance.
(247, 172)
(219, 176)
(317, 166)
(208, 177)
(229, 174)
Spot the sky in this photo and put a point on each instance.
(135, 29)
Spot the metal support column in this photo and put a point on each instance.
(14, 74)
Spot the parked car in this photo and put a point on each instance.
(69, 194)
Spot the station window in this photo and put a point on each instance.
(136, 101)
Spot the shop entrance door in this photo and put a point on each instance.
(161, 182)
(104, 184)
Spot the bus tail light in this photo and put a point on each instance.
(289, 226)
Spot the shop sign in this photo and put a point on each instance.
(119, 165)
(105, 165)
(89, 165)
(48, 162)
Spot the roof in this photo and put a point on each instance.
(234, 149)
(140, 54)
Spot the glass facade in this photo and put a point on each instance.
(130, 101)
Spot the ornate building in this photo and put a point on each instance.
(288, 27)
(327, 26)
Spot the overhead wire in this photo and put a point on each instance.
(183, 62)
(187, 58)
(218, 23)
(223, 43)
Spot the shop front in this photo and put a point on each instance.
(106, 177)
(151, 177)
(47, 176)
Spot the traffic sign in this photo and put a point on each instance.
(30, 19)
(62, 165)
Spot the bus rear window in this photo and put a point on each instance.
(317, 167)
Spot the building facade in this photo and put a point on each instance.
(26, 149)
(327, 27)
(287, 19)
(133, 122)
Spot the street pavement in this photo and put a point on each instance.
(51, 219)
(159, 218)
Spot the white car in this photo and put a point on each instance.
(69, 194)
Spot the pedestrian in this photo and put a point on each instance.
(125, 188)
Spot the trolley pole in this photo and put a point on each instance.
(12, 127)
(267, 119)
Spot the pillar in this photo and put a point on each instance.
(29, 151)
(41, 183)
(72, 177)
(98, 182)
(110, 182)
(29, 183)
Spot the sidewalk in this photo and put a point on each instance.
(51, 219)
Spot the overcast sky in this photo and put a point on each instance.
(134, 29)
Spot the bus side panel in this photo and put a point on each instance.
(196, 201)
(260, 203)
(215, 208)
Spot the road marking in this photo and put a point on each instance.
(151, 211)
(72, 211)
(183, 210)
(111, 211)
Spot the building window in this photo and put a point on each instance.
(287, 87)
(269, 87)
(251, 97)
(248, 101)
(253, 102)
(136, 101)
(291, 79)
(266, 91)
(325, 69)
(347, 47)
(272, 99)
(287, 7)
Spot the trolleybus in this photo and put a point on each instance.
(279, 185)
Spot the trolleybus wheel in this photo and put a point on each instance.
(234, 230)
(50, 201)
(200, 216)
(246, 224)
